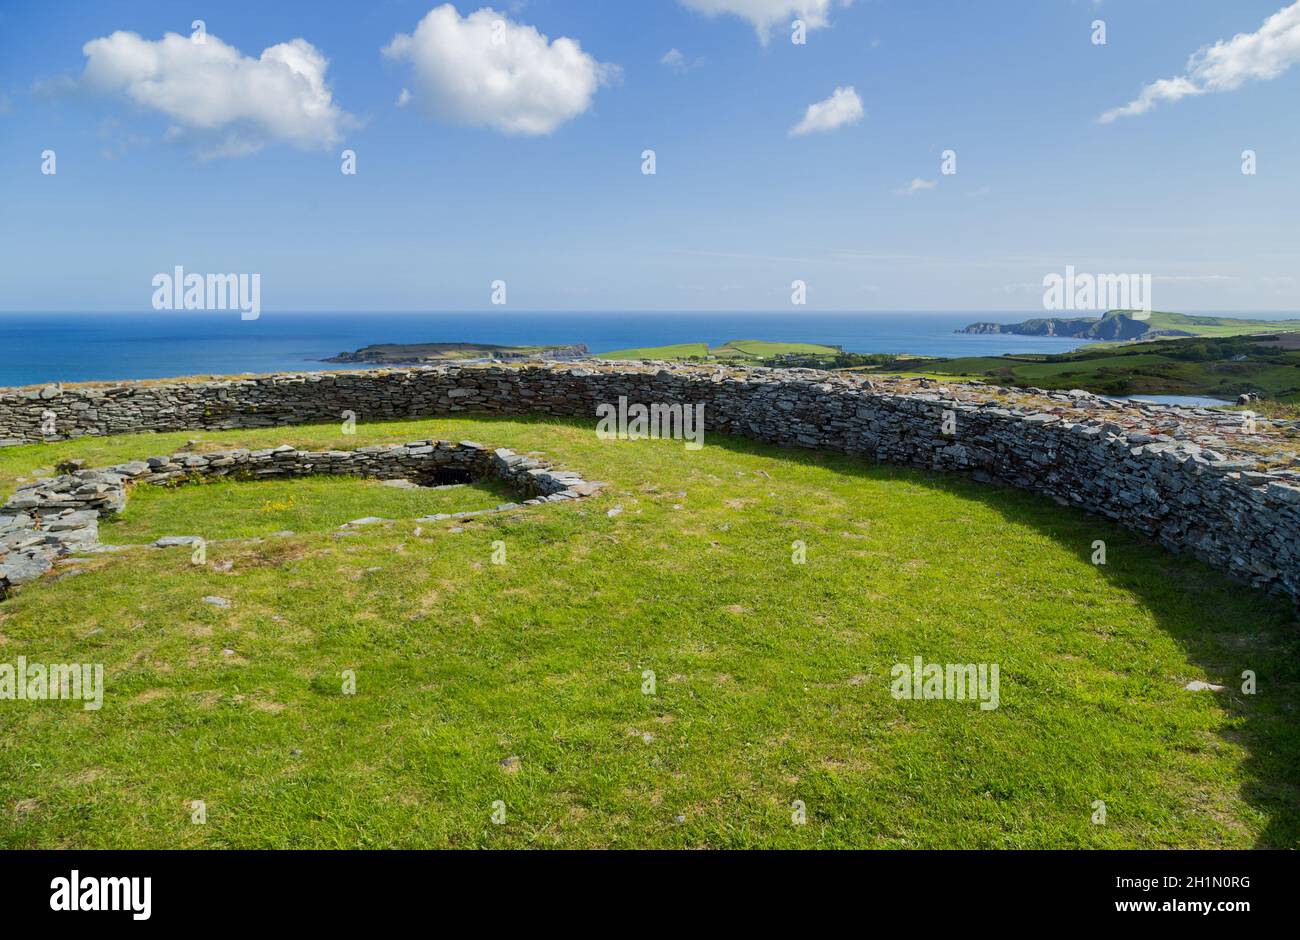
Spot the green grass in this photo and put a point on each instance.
(772, 678)
(227, 509)
(679, 351)
(1217, 326)
(759, 349)
(1163, 367)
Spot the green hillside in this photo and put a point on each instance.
(1214, 326)
(1132, 325)
(1222, 367)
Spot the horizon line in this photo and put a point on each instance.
(1045, 314)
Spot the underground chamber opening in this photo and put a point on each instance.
(445, 476)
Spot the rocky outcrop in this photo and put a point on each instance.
(59, 516)
(1111, 328)
(1210, 483)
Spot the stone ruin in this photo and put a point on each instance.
(1211, 483)
(59, 516)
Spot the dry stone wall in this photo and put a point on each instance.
(1204, 482)
(59, 516)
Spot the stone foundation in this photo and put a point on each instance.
(60, 516)
(1196, 481)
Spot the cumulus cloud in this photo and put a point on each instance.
(764, 14)
(842, 108)
(917, 185)
(1227, 65)
(230, 103)
(486, 71)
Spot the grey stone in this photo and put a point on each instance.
(175, 541)
(1182, 473)
(20, 569)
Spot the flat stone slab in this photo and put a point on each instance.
(175, 541)
(22, 569)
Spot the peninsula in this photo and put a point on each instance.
(1128, 325)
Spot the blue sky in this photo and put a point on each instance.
(541, 184)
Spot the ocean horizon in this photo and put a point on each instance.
(82, 347)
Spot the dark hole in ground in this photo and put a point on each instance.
(448, 476)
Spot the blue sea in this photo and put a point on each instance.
(76, 347)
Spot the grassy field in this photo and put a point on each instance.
(1222, 368)
(736, 350)
(1216, 326)
(263, 507)
(679, 351)
(525, 682)
(1216, 366)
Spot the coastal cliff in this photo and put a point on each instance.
(1112, 328)
(1124, 325)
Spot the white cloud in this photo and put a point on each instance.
(917, 185)
(764, 14)
(677, 61)
(403, 97)
(1227, 65)
(231, 104)
(1165, 89)
(484, 70)
(842, 108)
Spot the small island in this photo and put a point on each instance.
(736, 351)
(408, 354)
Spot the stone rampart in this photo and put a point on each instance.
(1220, 485)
